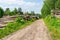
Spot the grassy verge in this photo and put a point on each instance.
(53, 25)
(12, 27)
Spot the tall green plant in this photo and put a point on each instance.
(58, 4)
(1, 12)
(7, 11)
(47, 7)
(20, 11)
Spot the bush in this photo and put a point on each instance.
(20, 20)
(53, 24)
(12, 27)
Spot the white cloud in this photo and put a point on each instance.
(7, 1)
(18, 2)
(26, 6)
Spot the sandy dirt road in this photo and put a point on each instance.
(36, 31)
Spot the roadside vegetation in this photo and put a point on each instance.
(52, 22)
(12, 27)
(20, 22)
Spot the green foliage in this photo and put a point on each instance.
(53, 24)
(8, 12)
(47, 7)
(57, 4)
(32, 13)
(12, 27)
(1, 12)
(20, 20)
(27, 13)
(20, 11)
(15, 11)
(51, 21)
(39, 15)
(45, 11)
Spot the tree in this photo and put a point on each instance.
(7, 11)
(20, 11)
(1, 12)
(14, 12)
(47, 7)
(50, 3)
(27, 13)
(58, 4)
(32, 13)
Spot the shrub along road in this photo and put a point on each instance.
(36, 31)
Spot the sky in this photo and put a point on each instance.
(26, 5)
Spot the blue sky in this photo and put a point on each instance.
(26, 5)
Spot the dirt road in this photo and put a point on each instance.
(35, 31)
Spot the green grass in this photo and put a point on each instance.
(13, 27)
(53, 25)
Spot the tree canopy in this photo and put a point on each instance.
(7, 11)
(57, 5)
(20, 11)
(14, 12)
(48, 6)
(1, 12)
